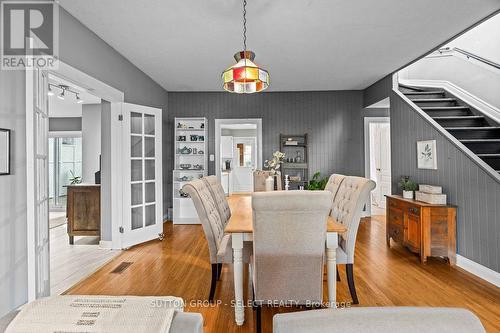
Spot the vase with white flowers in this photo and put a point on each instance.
(273, 165)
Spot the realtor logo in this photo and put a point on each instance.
(30, 34)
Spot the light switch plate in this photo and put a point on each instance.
(212, 157)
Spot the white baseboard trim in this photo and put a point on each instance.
(108, 245)
(480, 271)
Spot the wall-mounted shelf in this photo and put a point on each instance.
(184, 211)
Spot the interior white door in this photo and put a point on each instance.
(37, 126)
(382, 149)
(244, 162)
(142, 176)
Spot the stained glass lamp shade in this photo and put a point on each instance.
(245, 77)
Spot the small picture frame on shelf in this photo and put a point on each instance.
(4, 151)
(426, 154)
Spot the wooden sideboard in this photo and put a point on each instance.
(83, 210)
(426, 229)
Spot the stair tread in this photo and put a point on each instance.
(423, 92)
(456, 107)
(479, 140)
(458, 117)
(488, 155)
(447, 99)
(473, 128)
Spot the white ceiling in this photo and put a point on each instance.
(305, 44)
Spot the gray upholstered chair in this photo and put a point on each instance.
(379, 320)
(333, 184)
(219, 196)
(183, 322)
(289, 234)
(219, 244)
(347, 208)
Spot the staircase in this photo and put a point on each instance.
(472, 128)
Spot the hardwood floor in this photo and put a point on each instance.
(384, 277)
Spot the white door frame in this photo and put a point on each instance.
(100, 89)
(218, 130)
(368, 121)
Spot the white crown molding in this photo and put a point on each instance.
(478, 270)
(472, 100)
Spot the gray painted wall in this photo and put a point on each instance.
(91, 141)
(65, 124)
(80, 48)
(13, 265)
(473, 190)
(377, 91)
(333, 120)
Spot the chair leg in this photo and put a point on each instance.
(350, 279)
(338, 275)
(214, 283)
(219, 271)
(258, 325)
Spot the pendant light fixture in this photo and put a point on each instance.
(245, 77)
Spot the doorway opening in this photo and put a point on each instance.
(238, 153)
(378, 161)
(74, 153)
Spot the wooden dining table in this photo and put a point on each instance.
(240, 226)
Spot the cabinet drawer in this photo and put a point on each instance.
(395, 216)
(396, 233)
(394, 204)
(413, 210)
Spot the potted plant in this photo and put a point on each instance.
(408, 186)
(74, 179)
(273, 165)
(317, 184)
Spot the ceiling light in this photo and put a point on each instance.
(61, 95)
(245, 77)
(50, 92)
(78, 99)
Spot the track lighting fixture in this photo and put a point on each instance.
(64, 90)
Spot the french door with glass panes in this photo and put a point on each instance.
(142, 166)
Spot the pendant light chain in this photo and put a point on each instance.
(245, 25)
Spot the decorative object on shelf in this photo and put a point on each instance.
(183, 194)
(317, 183)
(181, 125)
(201, 152)
(295, 178)
(185, 166)
(287, 182)
(194, 137)
(195, 150)
(181, 138)
(291, 142)
(202, 125)
(4, 151)
(431, 194)
(273, 165)
(198, 167)
(185, 150)
(426, 154)
(245, 77)
(201, 138)
(408, 186)
(185, 179)
(298, 158)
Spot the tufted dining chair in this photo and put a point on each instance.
(352, 196)
(215, 187)
(219, 244)
(289, 235)
(333, 184)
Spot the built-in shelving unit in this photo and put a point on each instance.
(296, 162)
(191, 162)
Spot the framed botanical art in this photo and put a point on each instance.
(4, 151)
(426, 154)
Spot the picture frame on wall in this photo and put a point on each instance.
(4, 151)
(427, 155)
